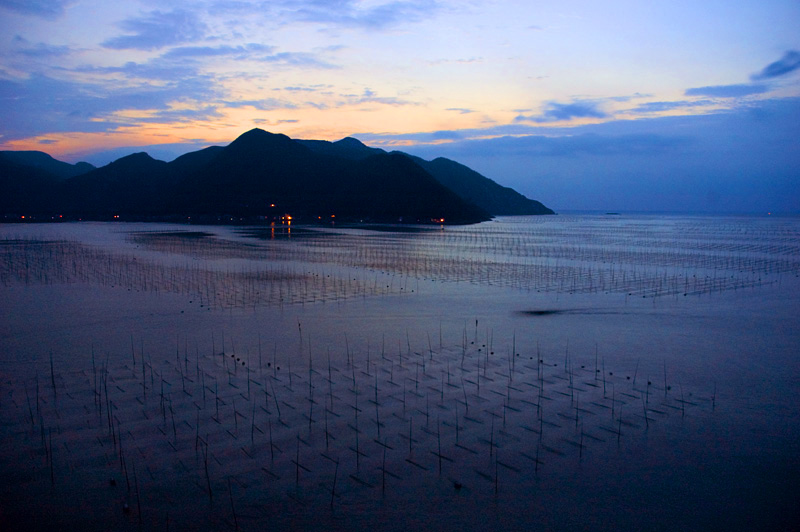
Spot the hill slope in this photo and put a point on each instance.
(467, 183)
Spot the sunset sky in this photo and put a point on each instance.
(621, 105)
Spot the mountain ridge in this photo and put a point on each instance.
(259, 176)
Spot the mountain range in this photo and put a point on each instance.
(259, 176)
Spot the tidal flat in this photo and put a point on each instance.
(537, 373)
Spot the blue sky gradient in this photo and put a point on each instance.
(678, 106)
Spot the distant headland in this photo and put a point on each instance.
(259, 177)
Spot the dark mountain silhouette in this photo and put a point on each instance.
(260, 169)
(467, 183)
(480, 190)
(348, 147)
(260, 176)
(136, 184)
(46, 163)
(29, 180)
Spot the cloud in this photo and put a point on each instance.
(460, 110)
(48, 9)
(250, 52)
(350, 13)
(298, 59)
(266, 104)
(467, 61)
(237, 52)
(586, 143)
(785, 65)
(557, 112)
(658, 107)
(39, 50)
(736, 160)
(37, 111)
(305, 88)
(727, 91)
(369, 96)
(46, 105)
(267, 122)
(154, 70)
(157, 30)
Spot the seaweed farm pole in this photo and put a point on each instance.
(377, 418)
(333, 489)
(271, 445)
(133, 353)
(50, 456)
(94, 376)
(138, 499)
(439, 442)
(456, 423)
(644, 409)
(52, 376)
(383, 470)
(595, 361)
(604, 377)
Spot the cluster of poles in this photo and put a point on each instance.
(317, 428)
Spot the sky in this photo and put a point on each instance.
(621, 105)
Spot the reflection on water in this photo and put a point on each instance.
(562, 372)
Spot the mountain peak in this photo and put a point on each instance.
(137, 158)
(350, 142)
(259, 134)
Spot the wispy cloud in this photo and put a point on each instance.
(39, 50)
(100, 106)
(298, 59)
(727, 91)
(48, 9)
(250, 52)
(206, 112)
(558, 112)
(354, 14)
(460, 110)
(370, 96)
(265, 104)
(660, 107)
(305, 88)
(467, 61)
(235, 52)
(155, 70)
(351, 13)
(267, 122)
(158, 29)
(785, 65)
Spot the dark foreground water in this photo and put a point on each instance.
(558, 373)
